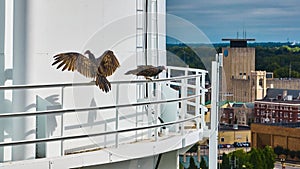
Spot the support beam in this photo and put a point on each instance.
(2, 71)
(23, 127)
(213, 138)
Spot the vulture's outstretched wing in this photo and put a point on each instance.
(107, 63)
(76, 61)
(99, 68)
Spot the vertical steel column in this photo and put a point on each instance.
(23, 127)
(213, 139)
(2, 72)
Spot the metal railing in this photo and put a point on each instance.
(197, 97)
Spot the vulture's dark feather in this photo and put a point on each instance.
(90, 67)
(146, 70)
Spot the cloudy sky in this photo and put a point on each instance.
(264, 20)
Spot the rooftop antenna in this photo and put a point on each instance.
(290, 71)
(237, 34)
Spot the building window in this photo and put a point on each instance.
(260, 82)
(222, 139)
(291, 115)
(298, 115)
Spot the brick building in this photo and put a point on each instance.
(229, 134)
(238, 63)
(286, 135)
(279, 106)
(238, 113)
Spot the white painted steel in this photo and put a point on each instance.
(213, 135)
(2, 70)
(188, 140)
(43, 28)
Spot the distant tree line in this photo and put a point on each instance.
(280, 58)
(290, 154)
(199, 57)
(283, 61)
(257, 158)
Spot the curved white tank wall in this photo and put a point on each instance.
(43, 28)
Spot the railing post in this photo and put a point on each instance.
(197, 107)
(183, 95)
(62, 123)
(117, 116)
(202, 102)
(182, 82)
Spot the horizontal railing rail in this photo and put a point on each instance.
(34, 86)
(187, 69)
(170, 81)
(63, 138)
(60, 111)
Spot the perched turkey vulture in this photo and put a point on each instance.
(98, 68)
(146, 71)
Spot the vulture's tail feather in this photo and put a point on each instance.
(103, 83)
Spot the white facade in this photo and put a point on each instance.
(43, 28)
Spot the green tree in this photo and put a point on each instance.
(192, 164)
(292, 154)
(203, 164)
(269, 157)
(263, 157)
(225, 162)
(278, 150)
(241, 158)
(256, 159)
(285, 151)
(298, 154)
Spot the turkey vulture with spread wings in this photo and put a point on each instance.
(98, 68)
(147, 71)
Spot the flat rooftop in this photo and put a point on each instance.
(289, 125)
(238, 43)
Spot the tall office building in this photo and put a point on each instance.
(240, 82)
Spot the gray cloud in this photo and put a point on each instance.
(268, 20)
